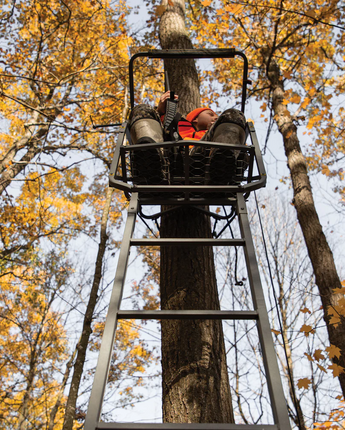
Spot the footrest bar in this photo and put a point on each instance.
(189, 241)
(188, 314)
(186, 426)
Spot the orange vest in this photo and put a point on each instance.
(188, 132)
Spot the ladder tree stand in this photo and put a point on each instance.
(178, 191)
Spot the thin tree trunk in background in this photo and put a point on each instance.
(36, 350)
(55, 409)
(87, 330)
(195, 379)
(321, 257)
(297, 417)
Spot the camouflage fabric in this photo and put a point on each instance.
(230, 115)
(221, 166)
(217, 166)
(143, 112)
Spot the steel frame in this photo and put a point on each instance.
(138, 195)
(259, 314)
(120, 181)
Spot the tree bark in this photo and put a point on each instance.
(55, 409)
(320, 254)
(36, 349)
(9, 168)
(87, 329)
(195, 379)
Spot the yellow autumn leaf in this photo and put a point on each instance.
(233, 8)
(295, 99)
(305, 310)
(312, 92)
(339, 290)
(206, 3)
(277, 332)
(305, 103)
(324, 425)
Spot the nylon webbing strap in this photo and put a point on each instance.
(171, 111)
(172, 117)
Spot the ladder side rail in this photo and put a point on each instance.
(102, 369)
(275, 387)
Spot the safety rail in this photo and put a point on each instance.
(184, 190)
(194, 54)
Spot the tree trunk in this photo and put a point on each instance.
(55, 409)
(320, 254)
(35, 348)
(87, 329)
(195, 379)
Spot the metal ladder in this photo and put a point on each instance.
(141, 195)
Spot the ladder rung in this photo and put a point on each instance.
(188, 241)
(188, 314)
(184, 426)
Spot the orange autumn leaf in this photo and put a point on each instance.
(321, 368)
(318, 355)
(303, 383)
(307, 330)
(333, 351)
(295, 98)
(336, 369)
(309, 357)
(325, 170)
(160, 10)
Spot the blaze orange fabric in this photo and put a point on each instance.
(185, 127)
(195, 113)
(188, 132)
